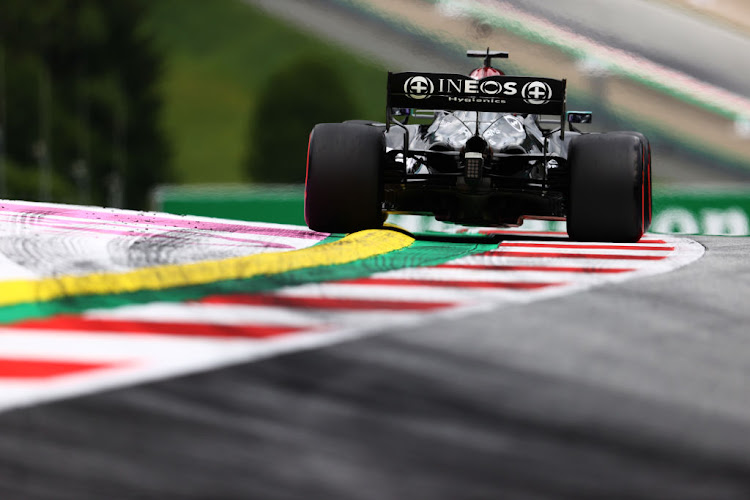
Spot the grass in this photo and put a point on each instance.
(218, 56)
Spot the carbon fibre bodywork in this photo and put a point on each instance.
(524, 171)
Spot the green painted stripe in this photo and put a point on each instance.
(419, 253)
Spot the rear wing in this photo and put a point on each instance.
(504, 94)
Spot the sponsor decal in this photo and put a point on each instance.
(537, 93)
(467, 90)
(419, 87)
(422, 87)
(479, 100)
(470, 86)
(516, 124)
(732, 221)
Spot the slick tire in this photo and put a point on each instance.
(344, 187)
(610, 187)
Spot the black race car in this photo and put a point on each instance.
(486, 153)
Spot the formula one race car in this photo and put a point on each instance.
(485, 154)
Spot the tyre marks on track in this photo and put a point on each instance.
(74, 354)
(43, 240)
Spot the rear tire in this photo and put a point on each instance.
(344, 188)
(610, 187)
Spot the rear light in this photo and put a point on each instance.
(474, 166)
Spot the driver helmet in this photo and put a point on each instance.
(484, 72)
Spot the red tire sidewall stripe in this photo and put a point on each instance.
(307, 174)
(643, 189)
(648, 175)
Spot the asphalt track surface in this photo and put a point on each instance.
(631, 390)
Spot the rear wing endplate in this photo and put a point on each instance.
(452, 92)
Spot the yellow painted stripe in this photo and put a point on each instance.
(356, 246)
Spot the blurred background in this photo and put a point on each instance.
(204, 107)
